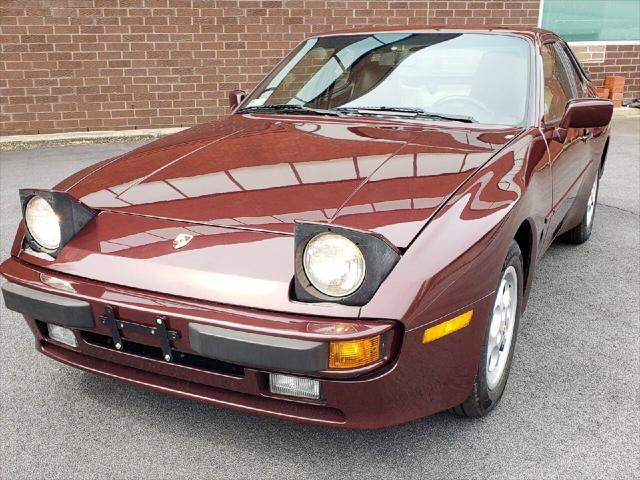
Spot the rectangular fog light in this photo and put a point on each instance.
(62, 335)
(294, 386)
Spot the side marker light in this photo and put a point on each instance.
(445, 328)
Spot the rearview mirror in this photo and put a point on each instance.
(585, 113)
(236, 97)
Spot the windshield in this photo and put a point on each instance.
(480, 76)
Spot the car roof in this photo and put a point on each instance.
(532, 32)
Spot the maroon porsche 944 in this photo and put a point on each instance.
(354, 245)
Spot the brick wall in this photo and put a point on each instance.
(70, 65)
(622, 60)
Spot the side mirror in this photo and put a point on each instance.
(236, 97)
(585, 113)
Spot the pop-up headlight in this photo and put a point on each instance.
(339, 264)
(43, 223)
(334, 264)
(52, 219)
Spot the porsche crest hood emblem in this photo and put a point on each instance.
(182, 240)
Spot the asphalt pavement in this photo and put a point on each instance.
(570, 409)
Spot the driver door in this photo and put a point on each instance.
(570, 158)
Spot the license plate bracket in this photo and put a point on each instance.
(159, 331)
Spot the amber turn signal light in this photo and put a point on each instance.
(354, 353)
(445, 328)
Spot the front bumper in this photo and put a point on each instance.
(233, 346)
(223, 355)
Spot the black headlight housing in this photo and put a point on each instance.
(73, 216)
(379, 255)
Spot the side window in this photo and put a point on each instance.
(558, 89)
(569, 61)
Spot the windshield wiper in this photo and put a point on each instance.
(406, 112)
(285, 108)
(339, 111)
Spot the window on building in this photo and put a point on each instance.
(592, 20)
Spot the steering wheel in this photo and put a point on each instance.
(460, 104)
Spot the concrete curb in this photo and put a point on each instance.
(28, 142)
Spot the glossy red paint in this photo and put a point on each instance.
(344, 405)
(351, 172)
(450, 196)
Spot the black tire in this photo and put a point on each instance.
(482, 399)
(581, 233)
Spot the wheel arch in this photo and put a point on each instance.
(603, 157)
(525, 239)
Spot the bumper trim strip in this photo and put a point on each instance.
(47, 307)
(258, 350)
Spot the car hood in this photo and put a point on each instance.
(265, 172)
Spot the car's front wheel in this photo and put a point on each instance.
(500, 339)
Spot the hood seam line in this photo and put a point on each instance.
(149, 175)
(366, 180)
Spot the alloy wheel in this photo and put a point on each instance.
(503, 320)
